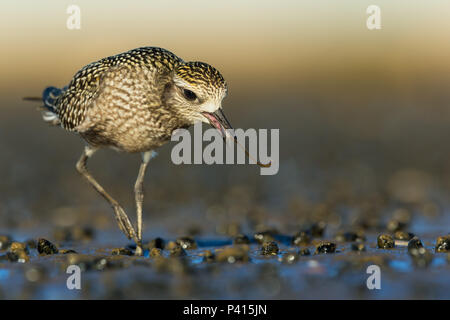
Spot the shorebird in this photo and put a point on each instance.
(132, 102)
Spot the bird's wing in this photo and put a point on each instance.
(133, 79)
(72, 105)
(133, 87)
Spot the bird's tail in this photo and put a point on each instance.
(49, 109)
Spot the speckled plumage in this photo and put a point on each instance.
(119, 102)
(119, 95)
(133, 102)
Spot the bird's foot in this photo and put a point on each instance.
(124, 223)
(139, 251)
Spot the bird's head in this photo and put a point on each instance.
(196, 93)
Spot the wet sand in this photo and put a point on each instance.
(354, 189)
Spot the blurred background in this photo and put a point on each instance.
(361, 113)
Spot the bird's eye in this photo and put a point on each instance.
(189, 95)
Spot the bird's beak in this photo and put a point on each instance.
(218, 120)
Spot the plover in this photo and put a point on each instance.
(132, 102)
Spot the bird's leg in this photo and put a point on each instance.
(139, 197)
(121, 217)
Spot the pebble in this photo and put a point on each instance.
(187, 243)
(155, 252)
(17, 256)
(121, 252)
(18, 246)
(443, 244)
(414, 243)
(325, 247)
(269, 248)
(177, 251)
(385, 241)
(18, 252)
(45, 247)
(11, 256)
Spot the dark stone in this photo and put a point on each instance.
(121, 252)
(45, 247)
(187, 243)
(155, 252)
(385, 241)
(443, 244)
(269, 248)
(414, 243)
(12, 256)
(325, 247)
(18, 246)
(177, 251)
